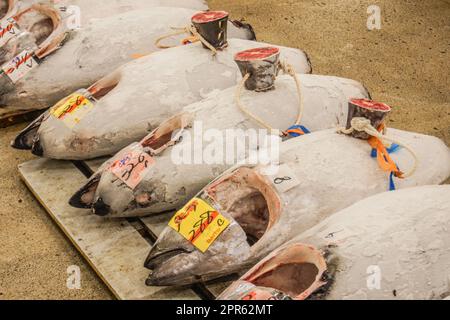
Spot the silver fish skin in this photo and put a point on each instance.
(88, 54)
(140, 95)
(100, 9)
(171, 182)
(390, 246)
(330, 171)
(92, 10)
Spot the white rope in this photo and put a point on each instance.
(287, 69)
(362, 124)
(169, 35)
(190, 29)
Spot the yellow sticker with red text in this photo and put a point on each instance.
(72, 109)
(199, 223)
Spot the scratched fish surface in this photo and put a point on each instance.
(137, 97)
(169, 183)
(383, 237)
(327, 172)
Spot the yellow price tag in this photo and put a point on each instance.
(199, 223)
(72, 109)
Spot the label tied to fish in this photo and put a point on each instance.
(20, 66)
(132, 166)
(72, 109)
(285, 178)
(199, 223)
(8, 30)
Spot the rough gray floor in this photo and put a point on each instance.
(34, 253)
(405, 64)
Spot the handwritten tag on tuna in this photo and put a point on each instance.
(132, 167)
(72, 109)
(285, 179)
(199, 223)
(20, 66)
(8, 30)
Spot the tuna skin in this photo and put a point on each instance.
(334, 171)
(89, 54)
(100, 9)
(170, 184)
(404, 233)
(149, 91)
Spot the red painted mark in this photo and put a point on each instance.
(371, 105)
(7, 29)
(73, 106)
(20, 61)
(256, 54)
(210, 16)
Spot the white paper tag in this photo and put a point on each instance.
(18, 67)
(285, 179)
(8, 30)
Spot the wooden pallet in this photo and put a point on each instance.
(115, 248)
(10, 119)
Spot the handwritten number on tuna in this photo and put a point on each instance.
(132, 166)
(200, 225)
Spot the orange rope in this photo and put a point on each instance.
(384, 159)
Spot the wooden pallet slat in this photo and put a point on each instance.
(113, 247)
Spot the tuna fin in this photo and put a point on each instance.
(26, 138)
(84, 198)
(369, 95)
(247, 26)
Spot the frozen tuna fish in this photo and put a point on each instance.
(184, 159)
(81, 12)
(42, 61)
(390, 246)
(100, 8)
(318, 175)
(133, 100)
(88, 9)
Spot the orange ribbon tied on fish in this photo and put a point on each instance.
(384, 159)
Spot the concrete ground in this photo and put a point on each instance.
(405, 64)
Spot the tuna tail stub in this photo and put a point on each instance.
(242, 25)
(212, 26)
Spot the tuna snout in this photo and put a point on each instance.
(158, 256)
(100, 208)
(26, 138)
